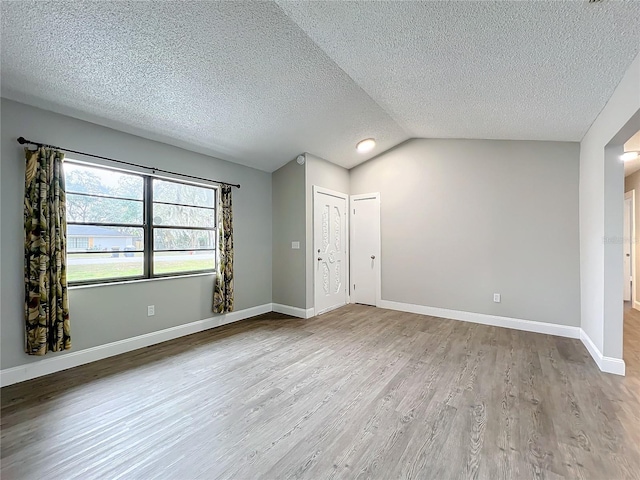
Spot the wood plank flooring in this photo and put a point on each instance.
(631, 347)
(356, 393)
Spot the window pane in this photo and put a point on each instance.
(176, 239)
(77, 243)
(81, 208)
(98, 181)
(95, 238)
(177, 262)
(172, 192)
(179, 216)
(82, 267)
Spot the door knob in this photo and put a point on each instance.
(373, 257)
(319, 259)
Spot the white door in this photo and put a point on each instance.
(330, 249)
(627, 250)
(365, 249)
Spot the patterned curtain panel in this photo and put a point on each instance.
(223, 290)
(45, 228)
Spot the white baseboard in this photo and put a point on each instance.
(72, 359)
(636, 305)
(484, 319)
(606, 364)
(293, 311)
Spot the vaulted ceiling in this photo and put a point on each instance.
(257, 83)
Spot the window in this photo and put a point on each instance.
(77, 243)
(130, 226)
(184, 224)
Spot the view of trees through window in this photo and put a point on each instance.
(107, 237)
(184, 224)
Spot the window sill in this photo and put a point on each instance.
(140, 280)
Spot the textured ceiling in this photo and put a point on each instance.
(258, 82)
(498, 70)
(239, 81)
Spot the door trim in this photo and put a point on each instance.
(353, 199)
(347, 272)
(631, 194)
(627, 243)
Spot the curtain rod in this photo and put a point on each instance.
(24, 141)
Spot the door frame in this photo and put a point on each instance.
(627, 243)
(631, 195)
(378, 253)
(345, 197)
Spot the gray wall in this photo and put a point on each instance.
(288, 226)
(327, 175)
(108, 313)
(463, 219)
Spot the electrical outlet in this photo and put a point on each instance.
(151, 310)
(295, 245)
(496, 297)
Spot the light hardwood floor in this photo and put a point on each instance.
(631, 347)
(356, 393)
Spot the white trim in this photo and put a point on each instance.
(484, 319)
(634, 303)
(606, 364)
(64, 361)
(631, 195)
(293, 311)
(40, 368)
(367, 196)
(315, 190)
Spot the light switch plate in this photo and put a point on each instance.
(295, 245)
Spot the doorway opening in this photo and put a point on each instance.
(631, 225)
